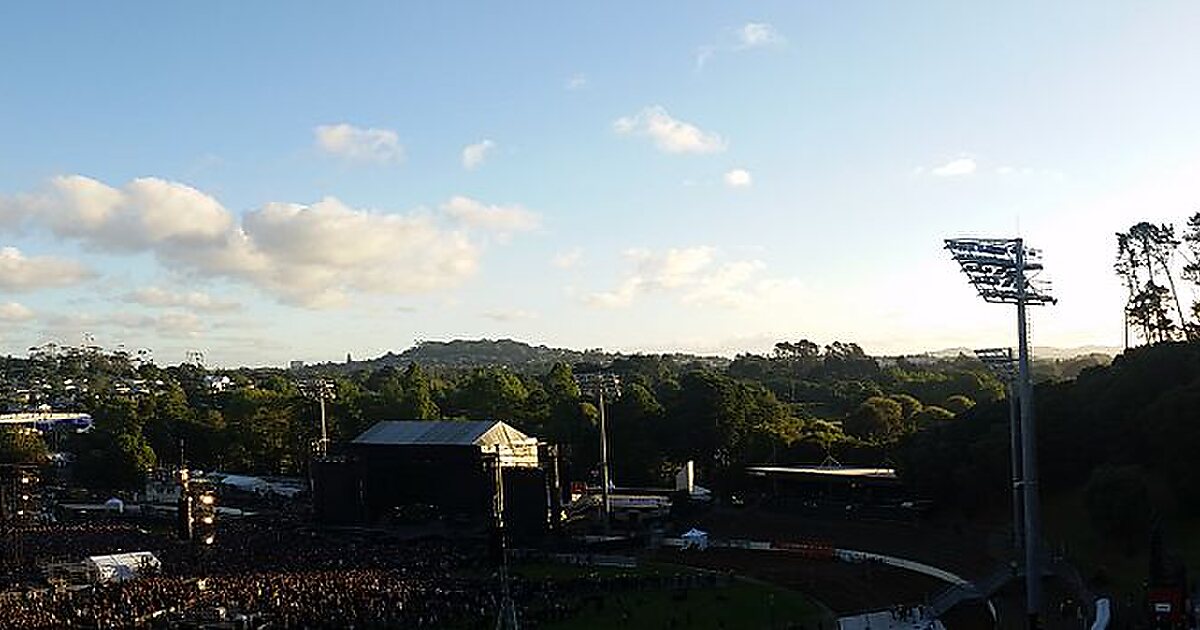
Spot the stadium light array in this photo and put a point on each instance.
(999, 269)
(1002, 363)
(1003, 270)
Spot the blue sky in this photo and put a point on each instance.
(693, 176)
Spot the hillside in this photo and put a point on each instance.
(1117, 447)
(515, 355)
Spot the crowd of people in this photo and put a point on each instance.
(288, 575)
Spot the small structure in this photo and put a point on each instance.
(115, 505)
(830, 485)
(120, 567)
(695, 539)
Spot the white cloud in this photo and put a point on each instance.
(745, 37)
(500, 219)
(147, 210)
(354, 143)
(758, 34)
(169, 324)
(1026, 171)
(576, 81)
(509, 315)
(310, 255)
(313, 255)
(161, 298)
(669, 134)
(567, 259)
(178, 324)
(14, 312)
(738, 178)
(956, 167)
(30, 273)
(694, 276)
(474, 154)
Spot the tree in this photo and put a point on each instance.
(1118, 502)
(876, 418)
(21, 446)
(635, 428)
(1191, 270)
(909, 406)
(416, 399)
(958, 403)
(1144, 255)
(113, 461)
(491, 393)
(1149, 310)
(931, 416)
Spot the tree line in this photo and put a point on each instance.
(799, 404)
(1148, 258)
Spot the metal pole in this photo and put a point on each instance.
(604, 463)
(324, 435)
(1014, 423)
(506, 619)
(1033, 570)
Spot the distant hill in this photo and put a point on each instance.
(521, 356)
(1039, 352)
(515, 355)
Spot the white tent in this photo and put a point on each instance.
(115, 505)
(246, 483)
(120, 567)
(695, 539)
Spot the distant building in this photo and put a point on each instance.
(218, 382)
(296, 365)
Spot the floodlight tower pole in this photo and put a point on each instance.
(323, 450)
(604, 479)
(998, 270)
(1033, 570)
(1002, 364)
(1018, 499)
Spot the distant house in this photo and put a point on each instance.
(218, 383)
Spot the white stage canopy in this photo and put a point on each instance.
(120, 567)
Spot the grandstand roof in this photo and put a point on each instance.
(442, 433)
(826, 471)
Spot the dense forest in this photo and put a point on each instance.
(800, 403)
(1127, 434)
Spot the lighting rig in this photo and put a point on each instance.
(1002, 272)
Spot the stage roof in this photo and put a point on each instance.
(825, 471)
(442, 433)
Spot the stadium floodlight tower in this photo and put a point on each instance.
(601, 385)
(1003, 364)
(999, 269)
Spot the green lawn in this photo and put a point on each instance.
(555, 571)
(739, 605)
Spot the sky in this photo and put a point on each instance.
(274, 181)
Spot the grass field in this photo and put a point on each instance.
(739, 604)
